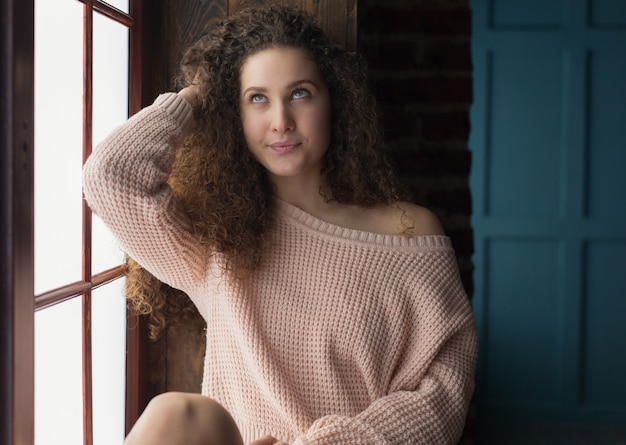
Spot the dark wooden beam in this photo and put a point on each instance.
(147, 80)
(17, 302)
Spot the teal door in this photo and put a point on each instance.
(549, 190)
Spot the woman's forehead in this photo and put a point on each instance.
(279, 66)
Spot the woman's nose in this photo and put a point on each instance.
(282, 119)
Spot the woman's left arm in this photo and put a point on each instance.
(430, 410)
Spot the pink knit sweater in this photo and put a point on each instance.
(342, 337)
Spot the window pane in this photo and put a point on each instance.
(122, 5)
(58, 142)
(109, 363)
(58, 376)
(110, 109)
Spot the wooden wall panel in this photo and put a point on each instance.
(177, 358)
(187, 22)
(337, 18)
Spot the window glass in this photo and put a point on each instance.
(58, 374)
(109, 363)
(58, 142)
(110, 109)
(122, 5)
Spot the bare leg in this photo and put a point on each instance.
(177, 418)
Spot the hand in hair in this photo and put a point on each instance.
(191, 93)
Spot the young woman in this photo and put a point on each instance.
(334, 309)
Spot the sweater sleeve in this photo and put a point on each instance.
(422, 407)
(125, 184)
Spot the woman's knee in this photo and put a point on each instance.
(174, 405)
(174, 417)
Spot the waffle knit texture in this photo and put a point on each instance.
(341, 337)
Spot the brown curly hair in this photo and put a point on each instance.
(226, 192)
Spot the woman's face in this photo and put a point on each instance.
(285, 111)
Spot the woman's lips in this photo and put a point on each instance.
(284, 147)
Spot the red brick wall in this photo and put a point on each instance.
(420, 59)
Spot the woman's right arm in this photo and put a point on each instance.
(125, 183)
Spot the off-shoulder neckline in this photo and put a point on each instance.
(296, 215)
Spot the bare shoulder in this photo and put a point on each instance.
(415, 220)
(401, 218)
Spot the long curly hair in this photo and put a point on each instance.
(226, 192)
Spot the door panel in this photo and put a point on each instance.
(521, 162)
(604, 364)
(527, 293)
(548, 143)
(607, 133)
(533, 13)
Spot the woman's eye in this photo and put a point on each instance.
(300, 93)
(257, 98)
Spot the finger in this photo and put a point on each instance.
(197, 78)
(265, 440)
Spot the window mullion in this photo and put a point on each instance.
(138, 389)
(87, 226)
(78, 288)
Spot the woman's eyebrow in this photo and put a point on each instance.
(290, 86)
(297, 83)
(255, 89)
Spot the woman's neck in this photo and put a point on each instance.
(303, 193)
